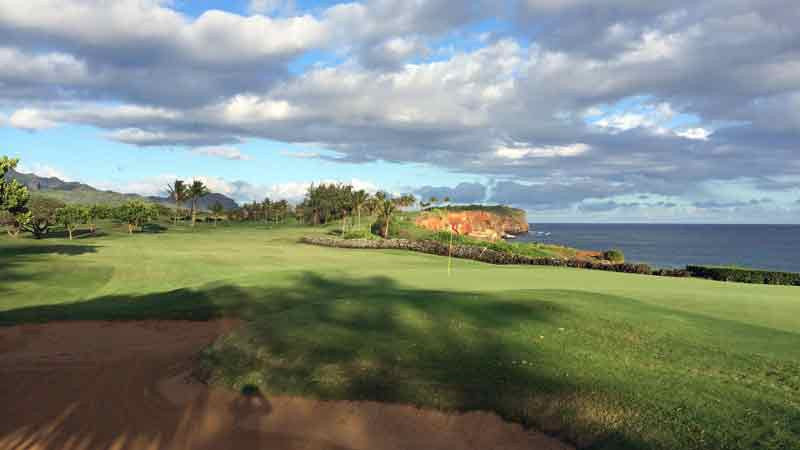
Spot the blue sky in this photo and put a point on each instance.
(578, 110)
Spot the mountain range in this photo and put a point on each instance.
(75, 192)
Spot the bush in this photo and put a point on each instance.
(680, 273)
(741, 275)
(358, 234)
(614, 255)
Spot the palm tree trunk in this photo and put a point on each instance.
(194, 211)
(69, 231)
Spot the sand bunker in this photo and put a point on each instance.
(124, 385)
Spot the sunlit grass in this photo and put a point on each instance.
(605, 360)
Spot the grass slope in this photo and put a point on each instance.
(605, 360)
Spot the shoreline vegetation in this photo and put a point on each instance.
(492, 256)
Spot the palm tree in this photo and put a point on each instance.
(217, 210)
(343, 202)
(281, 210)
(360, 198)
(266, 204)
(406, 200)
(386, 207)
(179, 192)
(197, 190)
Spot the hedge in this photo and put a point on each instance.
(752, 276)
(483, 254)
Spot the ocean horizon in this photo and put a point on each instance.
(758, 246)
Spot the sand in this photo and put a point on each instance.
(126, 385)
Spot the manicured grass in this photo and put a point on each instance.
(606, 360)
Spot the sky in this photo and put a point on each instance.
(574, 110)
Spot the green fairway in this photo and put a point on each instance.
(604, 360)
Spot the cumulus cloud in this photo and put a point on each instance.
(148, 138)
(610, 97)
(44, 170)
(519, 151)
(30, 120)
(694, 133)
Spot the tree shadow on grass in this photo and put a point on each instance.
(13, 252)
(366, 339)
(13, 257)
(77, 234)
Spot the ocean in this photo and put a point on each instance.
(774, 247)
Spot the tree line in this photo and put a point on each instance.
(322, 204)
(22, 212)
(328, 202)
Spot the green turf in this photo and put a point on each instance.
(605, 360)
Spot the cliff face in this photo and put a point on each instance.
(475, 223)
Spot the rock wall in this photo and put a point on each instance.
(471, 252)
(478, 224)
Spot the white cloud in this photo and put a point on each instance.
(148, 138)
(150, 186)
(624, 122)
(231, 153)
(213, 36)
(231, 77)
(51, 67)
(31, 120)
(243, 109)
(653, 118)
(698, 133)
(519, 151)
(43, 170)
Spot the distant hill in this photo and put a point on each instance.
(74, 192)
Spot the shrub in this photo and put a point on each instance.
(741, 275)
(135, 214)
(680, 273)
(358, 234)
(614, 255)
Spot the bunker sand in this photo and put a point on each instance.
(126, 385)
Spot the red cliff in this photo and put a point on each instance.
(475, 223)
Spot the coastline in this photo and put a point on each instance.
(759, 246)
